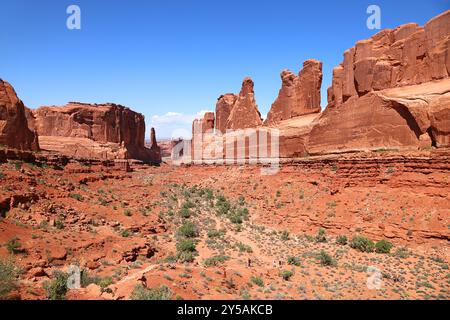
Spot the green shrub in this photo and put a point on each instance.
(325, 259)
(342, 240)
(285, 235)
(215, 260)
(127, 213)
(9, 273)
(383, 246)
(215, 233)
(238, 216)
(401, 253)
(13, 245)
(286, 275)
(57, 288)
(362, 244)
(142, 293)
(59, 225)
(185, 213)
(321, 235)
(293, 261)
(186, 246)
(222, 205)
(76, 196)
(126, 233)
(102, 282)
(244, 248)
(188, 230)
(257, 280)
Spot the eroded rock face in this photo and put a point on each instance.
(245, 112)
(14, 130)
(224, 105)
(299, 95)
(407, 55)
(106, 131)
(405, 117)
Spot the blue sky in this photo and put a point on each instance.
(171, 59)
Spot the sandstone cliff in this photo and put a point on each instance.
(391, 91)
(14, 130)
(106, 131)
(299, 95)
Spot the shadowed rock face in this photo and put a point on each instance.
(106, 131)
(244, 113)
(299, 95)
(14, 130)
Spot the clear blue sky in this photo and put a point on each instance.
(174, 58)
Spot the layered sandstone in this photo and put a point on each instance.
(407, 55)
(14, 130)
(299, 94)
(105, 131)
(391, 91)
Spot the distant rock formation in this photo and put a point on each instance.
(105, 131)
(244, 113)
(14, 130)
(390, 91)
(299, 95)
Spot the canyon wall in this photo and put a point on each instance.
(14, 130)
(105, 131)
(391, 91)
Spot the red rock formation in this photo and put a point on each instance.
(299, 95)
(244, 113)
(392, 91)
(154, 146)
(407, 55)
(14, 130)
(224, 105)
(106, 131)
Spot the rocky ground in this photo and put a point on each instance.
(216, 232)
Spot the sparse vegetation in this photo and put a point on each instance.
(321, 236)
(383, 246)
(9, 273)
(286, 275)
(257, 280)
(215, 260)
(13, 246)
(294, 261)
(142, 293)
(56, 289)
(325, 259)
(342, 240)
(362, 244)
(188, 230)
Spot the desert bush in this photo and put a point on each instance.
(401, 253)
(284, 235)
(383, 246)
(186, 246)
(13, 245)
(59, 225)
(215, 260)
(76, 196)
(188, 230)
(293, 261)
(325, 259)
(56, 289)
(244, 248)
(185, 212)
(102, 282)
(286, 275)
(142, 293)
(342, 240)
(215, 233)
(257, 280)
(126, 233)
(362, 244)
(9, 273)
(321, 235)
